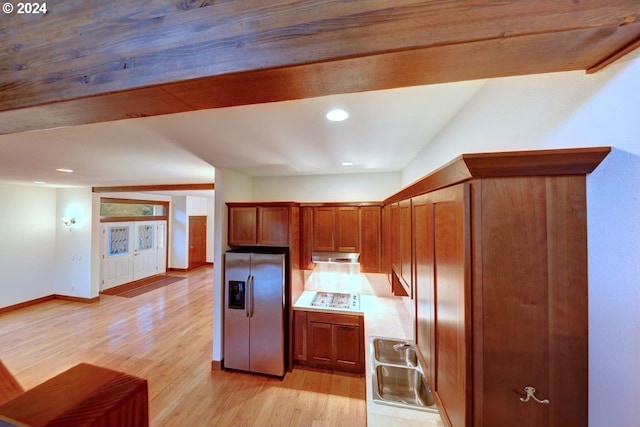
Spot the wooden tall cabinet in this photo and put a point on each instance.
(500, 267)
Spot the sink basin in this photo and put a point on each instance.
(403, 385)
(398, 375)
(384, 352)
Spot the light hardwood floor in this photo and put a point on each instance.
(165, 336)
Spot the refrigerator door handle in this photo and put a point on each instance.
(251, 278)
(247, 297)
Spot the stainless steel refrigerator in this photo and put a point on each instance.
(254, 316)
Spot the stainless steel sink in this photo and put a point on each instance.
(398, 375)
(394, 352)
(403, 385)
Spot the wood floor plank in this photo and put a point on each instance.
(165, 336)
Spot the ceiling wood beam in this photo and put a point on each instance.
(145, 188)
(87, 62)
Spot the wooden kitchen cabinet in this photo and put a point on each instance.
(243, 225)
(273, 226)
(259, 225)
(324, 224)
(405, 271)
(329, 340)
(347, 229)
(370, 239)
(343, 227)
(300, 335)
(336, 229)
(306, 237)
(500, 269)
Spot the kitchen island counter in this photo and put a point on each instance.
(384, 316)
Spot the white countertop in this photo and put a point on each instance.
(384, 316)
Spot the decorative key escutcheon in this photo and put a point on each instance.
(531, 391)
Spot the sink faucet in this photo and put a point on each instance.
(401, 346)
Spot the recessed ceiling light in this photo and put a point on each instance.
(63, 170)
(347, 164)
(337, 115)
(39, 182)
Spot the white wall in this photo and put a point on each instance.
(73, 249)
(211, 217)
(230, 186)
(27, 246)
(178, 238)
(327, 188)
(573, 110)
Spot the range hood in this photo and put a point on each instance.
(338, 257)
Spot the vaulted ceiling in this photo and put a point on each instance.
(103, 70)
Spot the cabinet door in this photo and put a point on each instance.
(323, 229)
(394, 238)
(452, 286)
(533, 238)
(370, 248)
(242, 226)
(273, 226)
(347, 230)
(347, 347)
(306, 237)
(320, 345)
(424, 281)
(300, 335)
(336, 341)
(405, 245)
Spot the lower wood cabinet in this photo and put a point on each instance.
(329, 340)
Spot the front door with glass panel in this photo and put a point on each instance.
(132, 251)
(145, 252)
(117, 254)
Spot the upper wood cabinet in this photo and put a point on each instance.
(343, 227)
(324, 225)
(335, 229)
(347, 229)
(243, 225)
(405, 271)
(500, 274)
(273, 226)
(259, 225)
(370, 239)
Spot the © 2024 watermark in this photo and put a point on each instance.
(29, 8)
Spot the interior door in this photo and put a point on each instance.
(145, 251)
(117, 254)
(197, 241)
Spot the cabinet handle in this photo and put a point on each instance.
(531, 391)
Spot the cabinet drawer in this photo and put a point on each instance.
(334, 318)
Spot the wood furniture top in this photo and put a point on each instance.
(572, 161)
(9, 387)
(85, 395)
(138, 59)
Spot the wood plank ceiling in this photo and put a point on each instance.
(86, 62)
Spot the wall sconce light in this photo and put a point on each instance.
(68, 221)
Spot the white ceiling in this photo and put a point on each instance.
(385, 130)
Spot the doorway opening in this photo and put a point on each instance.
(133, 240)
